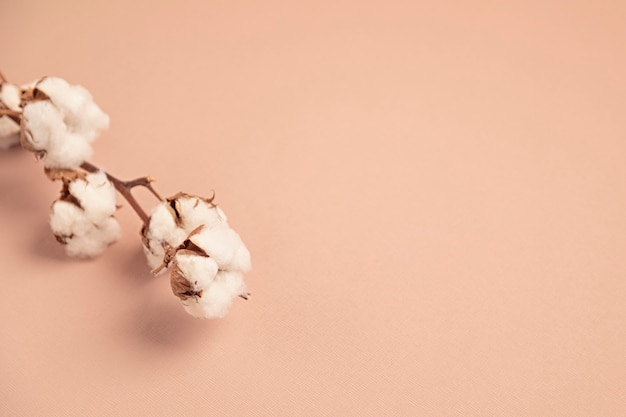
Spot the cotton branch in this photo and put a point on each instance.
(185, 233)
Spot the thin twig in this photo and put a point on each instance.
(16, 116)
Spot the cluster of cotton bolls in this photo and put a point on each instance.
(9, 129)
(82, 218)
(185, 233)
(59, 123)
(207, 257)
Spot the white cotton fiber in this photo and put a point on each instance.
(161, 228)
(217, 297)
(198, 270)
(10, 96)
(62, 126)
(164, 228)
(81, 114)
(212, 263)
(44, 124)
(70, 151)
(96, 195)
(87, 227)
(225, 246)
(195, 211)
(67, 219)
(96, 241)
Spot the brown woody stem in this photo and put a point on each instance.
(16, 116)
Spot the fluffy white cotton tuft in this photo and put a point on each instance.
(46, 132)
(195, 211)
(217, 298)
(225, 246)
(199, 271)
(161, 229)
(10, 96)
(68, 220)
(62, 127)
(85, 223)
(94, 243)
(96, 195)
(81, 114)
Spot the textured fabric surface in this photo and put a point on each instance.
(432, 193)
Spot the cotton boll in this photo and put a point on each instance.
(198, 270)
(86, 246)
(43, 123)
(67, 219)
(81, 235)
(195, 211)
(60, 92)
(161, 228)
(96, 195)
(10, 96)
(217, 297)
(45, 131)
(55, 87)
(63, 125)
(225, 246)
(81, 114)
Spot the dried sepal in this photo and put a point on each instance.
(181, 285)
(31, 94)
(64, 174)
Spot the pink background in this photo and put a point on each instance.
(433, 194)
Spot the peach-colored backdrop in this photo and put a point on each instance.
(434, 194)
